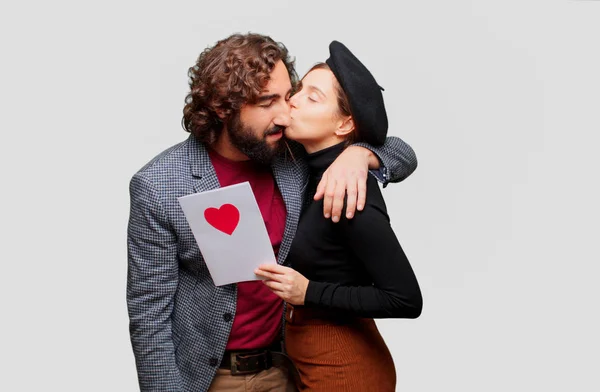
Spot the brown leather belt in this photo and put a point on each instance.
(246, 362)
(249, 361)
(253, 361)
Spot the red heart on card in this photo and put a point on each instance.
(225, 218)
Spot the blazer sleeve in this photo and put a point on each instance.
(398, 160)
(394, 292)
(152, 279)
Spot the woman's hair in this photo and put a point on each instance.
(228, 75)
(342, 102)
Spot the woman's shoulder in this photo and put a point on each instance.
(374, 208)
(374, 195)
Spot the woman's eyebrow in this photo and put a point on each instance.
(318, 90)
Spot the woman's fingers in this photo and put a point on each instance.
(275, 286)
(273, 268)
(267, 272)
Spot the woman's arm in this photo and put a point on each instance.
(395, 291)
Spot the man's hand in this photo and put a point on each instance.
(347, 174)
(286, 282)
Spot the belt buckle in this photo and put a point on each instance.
(235, 363)
(234, 366)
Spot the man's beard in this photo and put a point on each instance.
(245, 140)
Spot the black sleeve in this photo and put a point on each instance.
(395, 292)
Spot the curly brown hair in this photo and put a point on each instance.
(228, 75)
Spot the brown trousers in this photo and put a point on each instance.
(338, 353)
(274, 379)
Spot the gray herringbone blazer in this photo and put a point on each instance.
(177, 316)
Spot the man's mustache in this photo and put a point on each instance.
(274, 130)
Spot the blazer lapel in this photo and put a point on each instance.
(205, 177)
(289, 179)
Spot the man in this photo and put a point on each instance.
(187, 334)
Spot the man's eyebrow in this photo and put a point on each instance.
(267, 97)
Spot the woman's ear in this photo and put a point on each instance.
(346, 126)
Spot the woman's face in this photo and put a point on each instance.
(315, 116)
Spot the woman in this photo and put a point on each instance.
(349, 272)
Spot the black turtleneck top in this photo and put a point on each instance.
(356, 265)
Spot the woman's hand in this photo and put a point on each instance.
(286, 282)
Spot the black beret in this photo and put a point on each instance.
(363, 92)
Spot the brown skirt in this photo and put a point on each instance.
(337, 353)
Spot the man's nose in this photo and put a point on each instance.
(283, 118)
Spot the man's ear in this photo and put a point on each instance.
(345, 127)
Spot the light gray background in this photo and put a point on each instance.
(500, 100)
